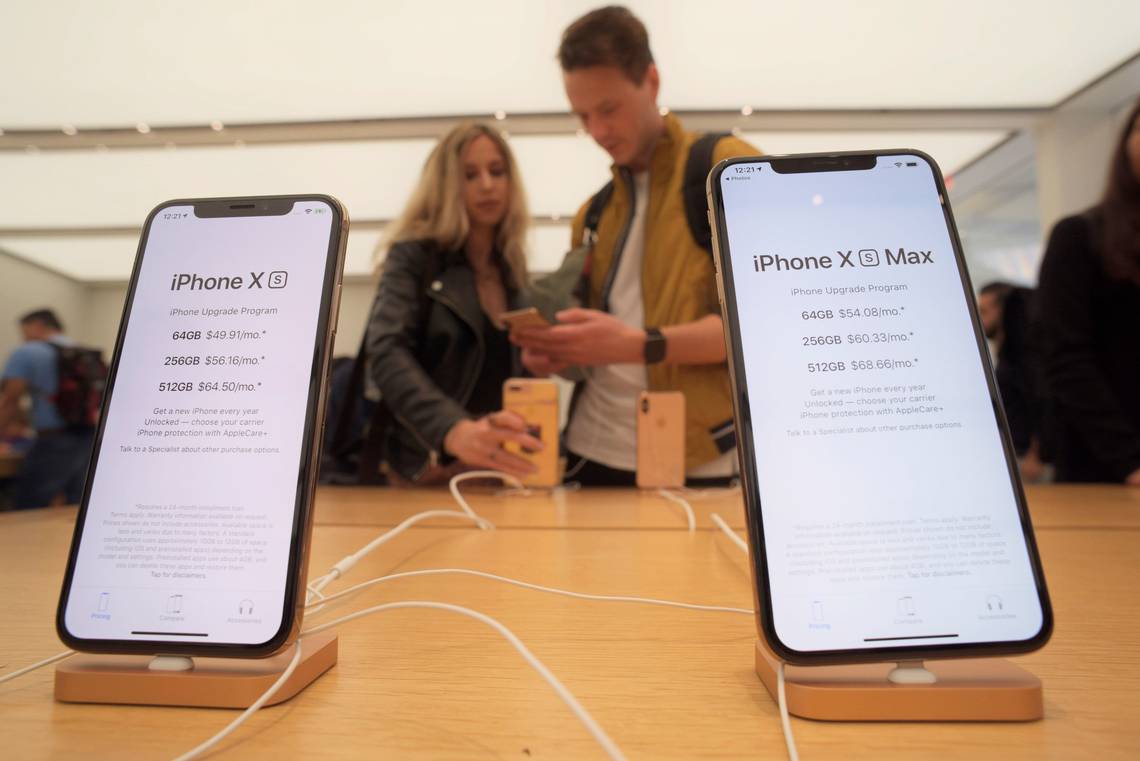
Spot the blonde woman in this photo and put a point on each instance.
(436, 350)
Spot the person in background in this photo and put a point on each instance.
(1089, 291)
(991, 303)
(56, 464)
(1010, 322)
(650, 319)
(436, 350)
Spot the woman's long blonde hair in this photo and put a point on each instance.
(436, 211)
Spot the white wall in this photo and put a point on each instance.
(25, 287)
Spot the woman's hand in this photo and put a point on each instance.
(480, 443)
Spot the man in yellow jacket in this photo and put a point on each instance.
(650, 318)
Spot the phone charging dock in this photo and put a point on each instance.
(974, 689)
(197, 682)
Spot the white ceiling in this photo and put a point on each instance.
(120, 62)
(67, 189)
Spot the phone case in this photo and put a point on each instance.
(524, 318)
(536, 401)
(661, 440)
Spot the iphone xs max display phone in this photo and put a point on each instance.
(885, 511)
(193, 530)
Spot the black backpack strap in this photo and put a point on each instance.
(594, 214)
(697, 168)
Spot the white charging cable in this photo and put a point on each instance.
(253, 708)
(785, 722)
(453, 486)
(39, 664)
(528, 585)
(568, 698)
(684, 503)
(781, 695)
(729, 532)
(593, 727)
(345, 564)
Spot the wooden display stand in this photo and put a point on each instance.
(978, 689)
(208, 683)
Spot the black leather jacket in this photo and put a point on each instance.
(425, 350)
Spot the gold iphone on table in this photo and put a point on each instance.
(661, 440)
(535, 400)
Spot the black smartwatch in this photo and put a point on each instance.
(654, 346)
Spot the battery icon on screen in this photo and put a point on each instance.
(912, 163)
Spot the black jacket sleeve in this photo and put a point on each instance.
(395, 328)
(1071, 280)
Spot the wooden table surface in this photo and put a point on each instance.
(665, 683)
(1051, 507)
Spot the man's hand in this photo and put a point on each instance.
(583, 337)
(479, 443)
(541, 365)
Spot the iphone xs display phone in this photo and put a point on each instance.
(661, 440)
(535, 400)
(193, 530)
(885, 511)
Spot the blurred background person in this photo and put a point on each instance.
(1090, 305)
(435, 349)
(44, 370)
(1011, 325)
(991, 302)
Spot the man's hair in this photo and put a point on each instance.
(999, 289)
(44, 317)
(609, 36)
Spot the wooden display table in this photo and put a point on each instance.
(665, 683)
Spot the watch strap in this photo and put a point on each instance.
(654, 346)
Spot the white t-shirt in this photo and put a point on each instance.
(604, 428)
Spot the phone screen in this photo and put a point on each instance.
(890, 516)
(190, 522)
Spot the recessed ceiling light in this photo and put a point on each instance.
(217, 126)
(500, 115)
(69, 130)
(143, 128)
(746, 111)
(664, 110)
